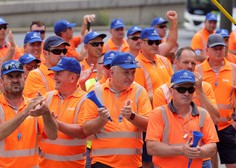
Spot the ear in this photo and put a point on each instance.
(85, 46)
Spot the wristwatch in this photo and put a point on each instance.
(132, 116)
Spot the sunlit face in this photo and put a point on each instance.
(13, 83)
(34, 48)
(149, 50)
(62, 80)
(3, 31)
(181, 98)
(94, 47)
(161, 28)
(216, 53)
(123, 78)
(134, 41)
(187, 61)
(67, 34)
(118, 33)
(39, 29)
(210, 25)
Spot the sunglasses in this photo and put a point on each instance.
(3, 26)
(58, 51)
(31, 67)
(96, 44)
(151, 42)
(12, 66)
(134, 38)
(184, 89)
(162, 26)
(39, 31)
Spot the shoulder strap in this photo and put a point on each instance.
(43, 77)
(78, 108)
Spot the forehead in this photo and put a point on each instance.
(184, 85)
(187, 54)
(97, 39)
(13, 74)
(36, 27)
(135, 34)
(61, 46)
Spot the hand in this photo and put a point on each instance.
(172, 16)
(127, 110)
(104, 114)
(89, 18)
(11, 39)
(191, 152)
(198, 79)
(85, 74)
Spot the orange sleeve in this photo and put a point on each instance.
(207, 89)
(71, 50)
(232, 41)
(158, 98)
(196, 42)
(140, 77)
(155, 126)
(90, 110)
(18, 53)
(33, 85)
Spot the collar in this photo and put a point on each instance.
(45, 70)
(194, 112)
(207, 67)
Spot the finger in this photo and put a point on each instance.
(128, 102)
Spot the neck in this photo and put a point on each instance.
(14, 100)
(116, 87)
(69, 91)
(118, 42)
(149, 57)
(91, 60)
(182, 110)
(134, 52)
(216, 65)
(2, 41)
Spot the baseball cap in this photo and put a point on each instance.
(27, 58)
(54, 41)
(124, 60)
(150, 33)
(215, 40)
(108, 57)
(67, 64)
(2, 21)
(211, 17)
(11, 66)
(133, 30)
(223, 32)
(182, 76)
(158, 21)
(32, 37)
(117, 23)
(93, 35)
(61, 25)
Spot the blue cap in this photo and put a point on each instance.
(32, 37)
(223, 32)
(124, 60)
(117, 23)
(27, 58)
(61, 25)
(133, 30)
(67, 64)
(108, 57)
(150, 34)
(2, 21)
(54, 41)
(182, 76)
(158, 21)
(11, 66)
(93, 35)
(211, 17)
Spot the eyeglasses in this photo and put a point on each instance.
(119, 29)
(151, 42)
(162, 26)
(184, 89)
(134, 38)
(12, 66)
(58, 51)
(96, 44)
(3, 26)
(31, 67)
(39, 31)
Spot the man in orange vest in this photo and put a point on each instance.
(19, 117)
(117, 41)
(170, 127)
(118, 142)
(199, 40)
(220, 73)
(133, 36)
(66, 101)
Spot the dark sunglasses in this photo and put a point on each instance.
(3, 26)
(31, 67)
(162, 26)
(39, 31)
(96, 44)
(12, 66)
(184, 89)
(134, 38)
(58, 51)
(151, 42)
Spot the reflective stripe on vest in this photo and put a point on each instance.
(63, 158)
(166, 131)
(116, 151)
(103, 134)
(65, 142)
(204, 44)
(43, 78)
(15, 153)
(166, 92)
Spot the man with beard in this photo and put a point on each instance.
(18, 120)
